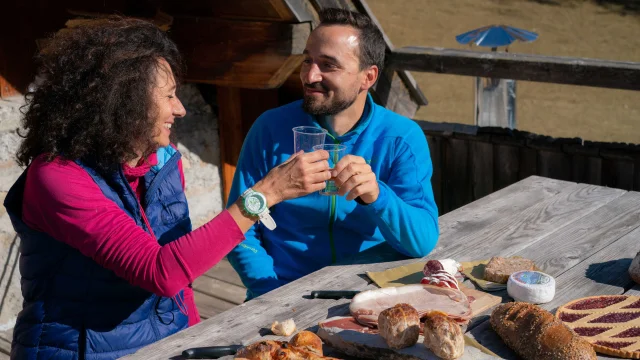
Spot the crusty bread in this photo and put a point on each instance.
(535, 334)
(399, 326)
(308, 341)
(443, 336)
(634, 269)
(276, 350)
(261, 350)
(499, 269)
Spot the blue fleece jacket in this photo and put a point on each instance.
(316, 230)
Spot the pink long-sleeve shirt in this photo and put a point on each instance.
(62, 200)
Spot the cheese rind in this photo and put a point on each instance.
(530, 286)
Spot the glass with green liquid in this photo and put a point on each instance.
(336, 152)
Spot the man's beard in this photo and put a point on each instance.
(328, 109)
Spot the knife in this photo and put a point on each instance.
(210, 352)
(333, 294)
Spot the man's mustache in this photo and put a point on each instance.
(318, 86)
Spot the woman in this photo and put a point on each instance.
(107, 251)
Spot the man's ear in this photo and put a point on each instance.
(370, 77)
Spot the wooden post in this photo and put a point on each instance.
(237, 110)
(6, 89)
(435, 150)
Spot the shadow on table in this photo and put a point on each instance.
(377, 254)
(614, 272)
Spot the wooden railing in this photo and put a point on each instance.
(551, 69)
(470, 162)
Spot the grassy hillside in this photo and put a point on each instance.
(566, 28)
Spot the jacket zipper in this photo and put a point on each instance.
(146, 222)
(332, 217)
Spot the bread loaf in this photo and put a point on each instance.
(535, 334)
(499, 269)
(399, 326)
(443, 336)
(634, 269)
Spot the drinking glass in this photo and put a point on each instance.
(336, 152)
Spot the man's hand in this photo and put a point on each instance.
(300, 175)
(354, 177)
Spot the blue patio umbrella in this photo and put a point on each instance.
(496, 35)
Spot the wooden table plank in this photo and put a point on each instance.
(547, 206)
(277, 305)
(505, 202)
(606, 274)
(581, 239)
(524, 228)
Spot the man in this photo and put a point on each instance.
(385, 190)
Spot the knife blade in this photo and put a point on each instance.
(333, 294)
(210, 352)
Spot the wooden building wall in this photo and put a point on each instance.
(470, 162)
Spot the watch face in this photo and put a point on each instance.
(254, 204)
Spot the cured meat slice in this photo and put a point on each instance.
(367, 305)
(441, 273)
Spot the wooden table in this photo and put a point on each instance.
(583, 235)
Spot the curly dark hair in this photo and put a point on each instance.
(94, 102)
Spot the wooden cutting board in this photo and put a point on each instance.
(482, 302)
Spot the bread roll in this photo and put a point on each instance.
(634, 269)
(308, 341)
(443, 336)
(535, 334)
(399, 326)
(284, 328)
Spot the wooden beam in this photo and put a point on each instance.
(256, 55)
(237, 110)
(290, 11)
(551, 69)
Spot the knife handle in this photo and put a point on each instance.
(211, 352)
(333, 294)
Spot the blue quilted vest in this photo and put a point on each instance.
(74, 308)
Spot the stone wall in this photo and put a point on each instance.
(196, 136)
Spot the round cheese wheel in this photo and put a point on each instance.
(533, 287)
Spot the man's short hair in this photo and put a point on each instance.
(372, 45)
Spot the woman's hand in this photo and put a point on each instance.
(302, 174)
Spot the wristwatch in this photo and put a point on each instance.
(254, 204)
